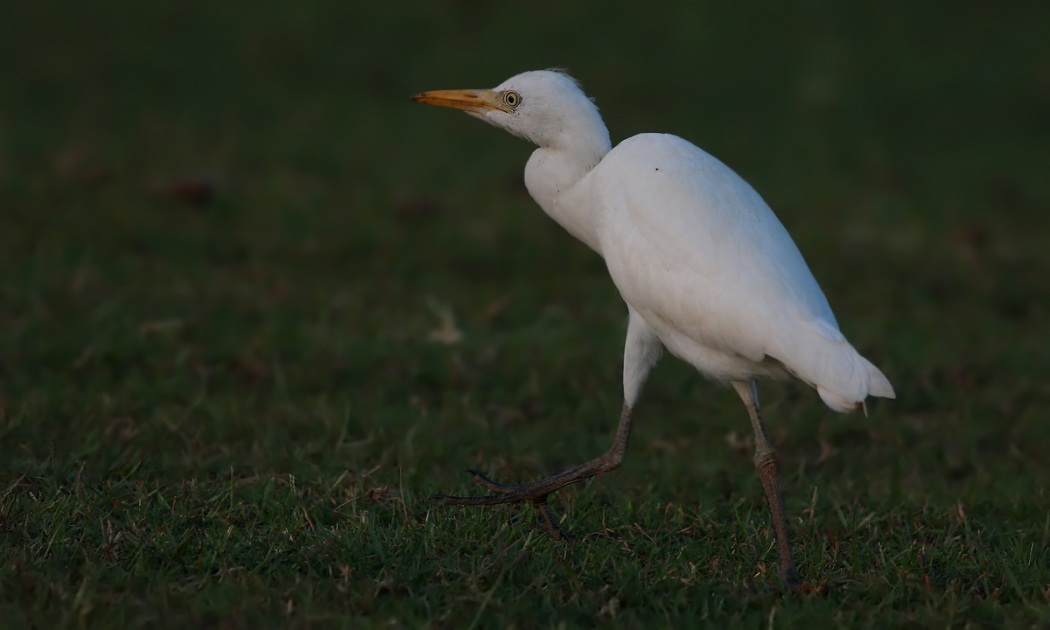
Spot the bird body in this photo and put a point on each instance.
(698, 255)
(706, 269)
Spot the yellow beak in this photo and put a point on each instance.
(472, 101)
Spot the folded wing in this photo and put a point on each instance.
(689, 242)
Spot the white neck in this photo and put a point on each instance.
(552, 174)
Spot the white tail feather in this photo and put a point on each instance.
(826, 360)
(878, 385)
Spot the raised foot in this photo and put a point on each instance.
(495, 486)
(534, 494)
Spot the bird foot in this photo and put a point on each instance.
(533, 494)
(495, 486)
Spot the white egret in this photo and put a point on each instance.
(706, 269)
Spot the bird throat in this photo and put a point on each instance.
(552, 178)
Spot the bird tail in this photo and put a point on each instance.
(822, 357)
(877, 385)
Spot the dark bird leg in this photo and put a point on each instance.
(536, 493)
(641, 351)
(766, 463)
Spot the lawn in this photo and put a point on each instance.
(257, 308)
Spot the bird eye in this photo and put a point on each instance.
(513, 99)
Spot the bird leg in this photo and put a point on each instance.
(536, 493)
(766, 463)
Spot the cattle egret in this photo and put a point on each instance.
(706, 269)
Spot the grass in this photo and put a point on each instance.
(257, 308)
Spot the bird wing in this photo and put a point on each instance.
(689, 242)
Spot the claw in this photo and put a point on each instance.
(445, 498)
(495, 486)
(548, 520)
(536, 493)
(520, 493)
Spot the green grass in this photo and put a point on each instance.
(234, 414)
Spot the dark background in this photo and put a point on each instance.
(241, 269)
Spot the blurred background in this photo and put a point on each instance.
(194, 188)
(231, 243)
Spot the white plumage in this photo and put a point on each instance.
(706, 269)
(714, 273)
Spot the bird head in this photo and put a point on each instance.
(546, 107)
